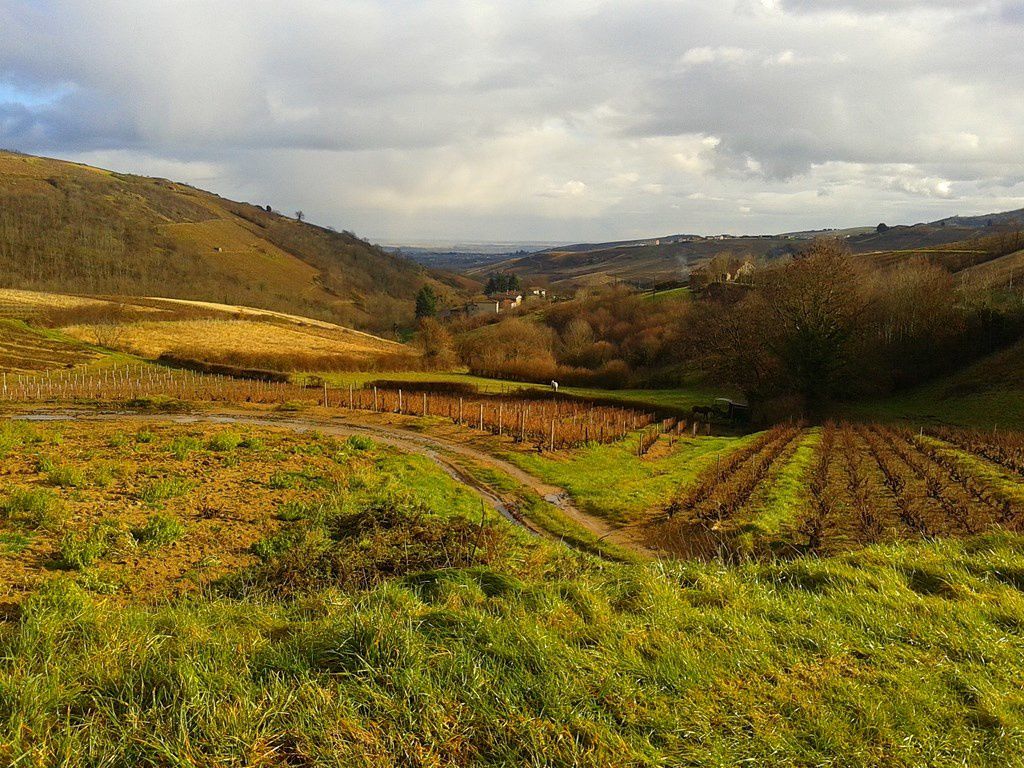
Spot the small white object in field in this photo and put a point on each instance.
(554, 386)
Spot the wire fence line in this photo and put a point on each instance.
(551, 422)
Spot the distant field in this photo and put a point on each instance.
(244, 342)
(671, 293)
(681, 399)
(24, 349)
(28, 304)
(205, 331)
(987, 394)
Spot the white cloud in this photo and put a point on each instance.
(512, 119)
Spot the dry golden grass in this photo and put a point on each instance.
(237, 250)
(204, 331)
(15, 303)
(220, 340)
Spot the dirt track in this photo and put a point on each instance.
(447, 454)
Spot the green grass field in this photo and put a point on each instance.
(897, 656)
(612, 482)
(384, 617)
(986, 394)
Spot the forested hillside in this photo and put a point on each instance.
(76, 229)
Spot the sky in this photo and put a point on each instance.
(536, 120)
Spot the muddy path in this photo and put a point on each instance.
(449, 455)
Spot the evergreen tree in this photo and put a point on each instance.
(502, 282)
(426, 302)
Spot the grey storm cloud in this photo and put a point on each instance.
(530, 120)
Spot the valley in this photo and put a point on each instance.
(639, 519)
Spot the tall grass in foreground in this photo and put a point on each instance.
(904, 655)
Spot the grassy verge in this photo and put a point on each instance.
(612, 482)
(786, 494)
(905, 655)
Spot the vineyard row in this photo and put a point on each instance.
(550, 422)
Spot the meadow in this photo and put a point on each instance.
(263, 598)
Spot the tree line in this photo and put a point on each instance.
(803, 333)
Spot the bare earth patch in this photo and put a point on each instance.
(225, 487)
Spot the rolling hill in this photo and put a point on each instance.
(71, 228)
(668, 259)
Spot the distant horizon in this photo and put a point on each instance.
(534, 122)
(441, 243)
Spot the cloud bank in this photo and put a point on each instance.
(414, 120)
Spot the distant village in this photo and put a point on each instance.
(497, 301)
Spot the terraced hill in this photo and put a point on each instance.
(39, 331)
(72, 228)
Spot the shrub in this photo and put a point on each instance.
(144, 436)
(390, 537)
(102, 475)
(182, 446)
(359, 443)
(292, 511)
(224, 441)
(159, 530)
(79, 550)
(252, 443)
(281, 480)
(64, 476)
(16, 433)
(33, 507)
(166, 488)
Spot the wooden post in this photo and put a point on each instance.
(400, 401)
(424, 403)
(350, 397)
(552, 434)
(375, 408)
(481, 417)
(500, 411)
(460, 411)
(325, 395)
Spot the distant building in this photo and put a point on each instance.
(510, 299)
(489, 307)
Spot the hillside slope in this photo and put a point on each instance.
(72, 228)
(668, 259)
(987, 394)
(70, 330)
